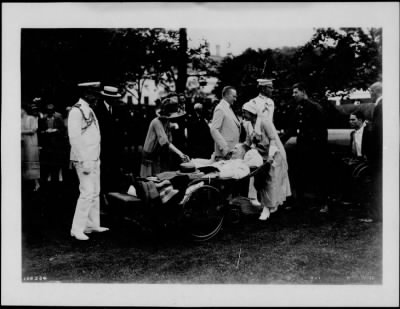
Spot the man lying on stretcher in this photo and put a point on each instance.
(242, 159)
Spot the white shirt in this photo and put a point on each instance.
(108, 106)
(358, 140)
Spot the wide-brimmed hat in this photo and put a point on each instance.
(265, 82)
(250, 107)
(34, 106)
(170, 108)
(110, 92)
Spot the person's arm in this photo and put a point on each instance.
(178, 152)
(271, 110)
(32, 127)
(75, 133)
(215, 127)
(163, 139)
(246, 126)
(272, 136)
(60, 124)
(290, 131)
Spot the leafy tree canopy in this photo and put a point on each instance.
(333, 59)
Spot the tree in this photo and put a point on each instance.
(53, 61)
(333, 59)
(145, 54)
(338, 59)
(183, 61)
(243, 71)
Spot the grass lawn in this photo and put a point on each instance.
(293, 246)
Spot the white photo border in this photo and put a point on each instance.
(211, 15)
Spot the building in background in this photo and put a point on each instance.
(151, 92)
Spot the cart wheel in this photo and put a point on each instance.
(203, 213)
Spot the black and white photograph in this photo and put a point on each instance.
(200, 154)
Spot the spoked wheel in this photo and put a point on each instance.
(203, 213)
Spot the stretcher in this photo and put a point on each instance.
(201, 209)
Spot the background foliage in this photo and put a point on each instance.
(54, 60)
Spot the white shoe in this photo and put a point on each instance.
(265, 214)
(324, 209)
(272, 210)
(79, 236)
(97, 230)
(255, 202)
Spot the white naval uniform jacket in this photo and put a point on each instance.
(84, 136)
(224, 128)
(265, 108)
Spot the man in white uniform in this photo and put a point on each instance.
(84, 137)
(265, 105)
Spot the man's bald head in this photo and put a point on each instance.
(376, 91)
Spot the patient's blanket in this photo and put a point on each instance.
(234, 168)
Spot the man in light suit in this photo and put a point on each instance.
(84, 137)
(225, 126)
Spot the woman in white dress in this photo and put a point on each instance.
(30, 148)
(276, 188)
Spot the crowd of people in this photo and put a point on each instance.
(101, 139)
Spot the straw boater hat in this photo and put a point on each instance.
(187, 168)
(170, 108)
(110, 92)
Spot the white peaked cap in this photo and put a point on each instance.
(89, 84)
(264, 82)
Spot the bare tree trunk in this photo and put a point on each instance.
(183, 59)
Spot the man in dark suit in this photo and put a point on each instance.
(374, 155)
(310, 154)
(351, 189)
(107, 113)
(358, 140)
(200, 141)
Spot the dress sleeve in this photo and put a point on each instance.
(33, 126)
(160, 133)
(269, 129)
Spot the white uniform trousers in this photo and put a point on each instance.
(87, 212)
